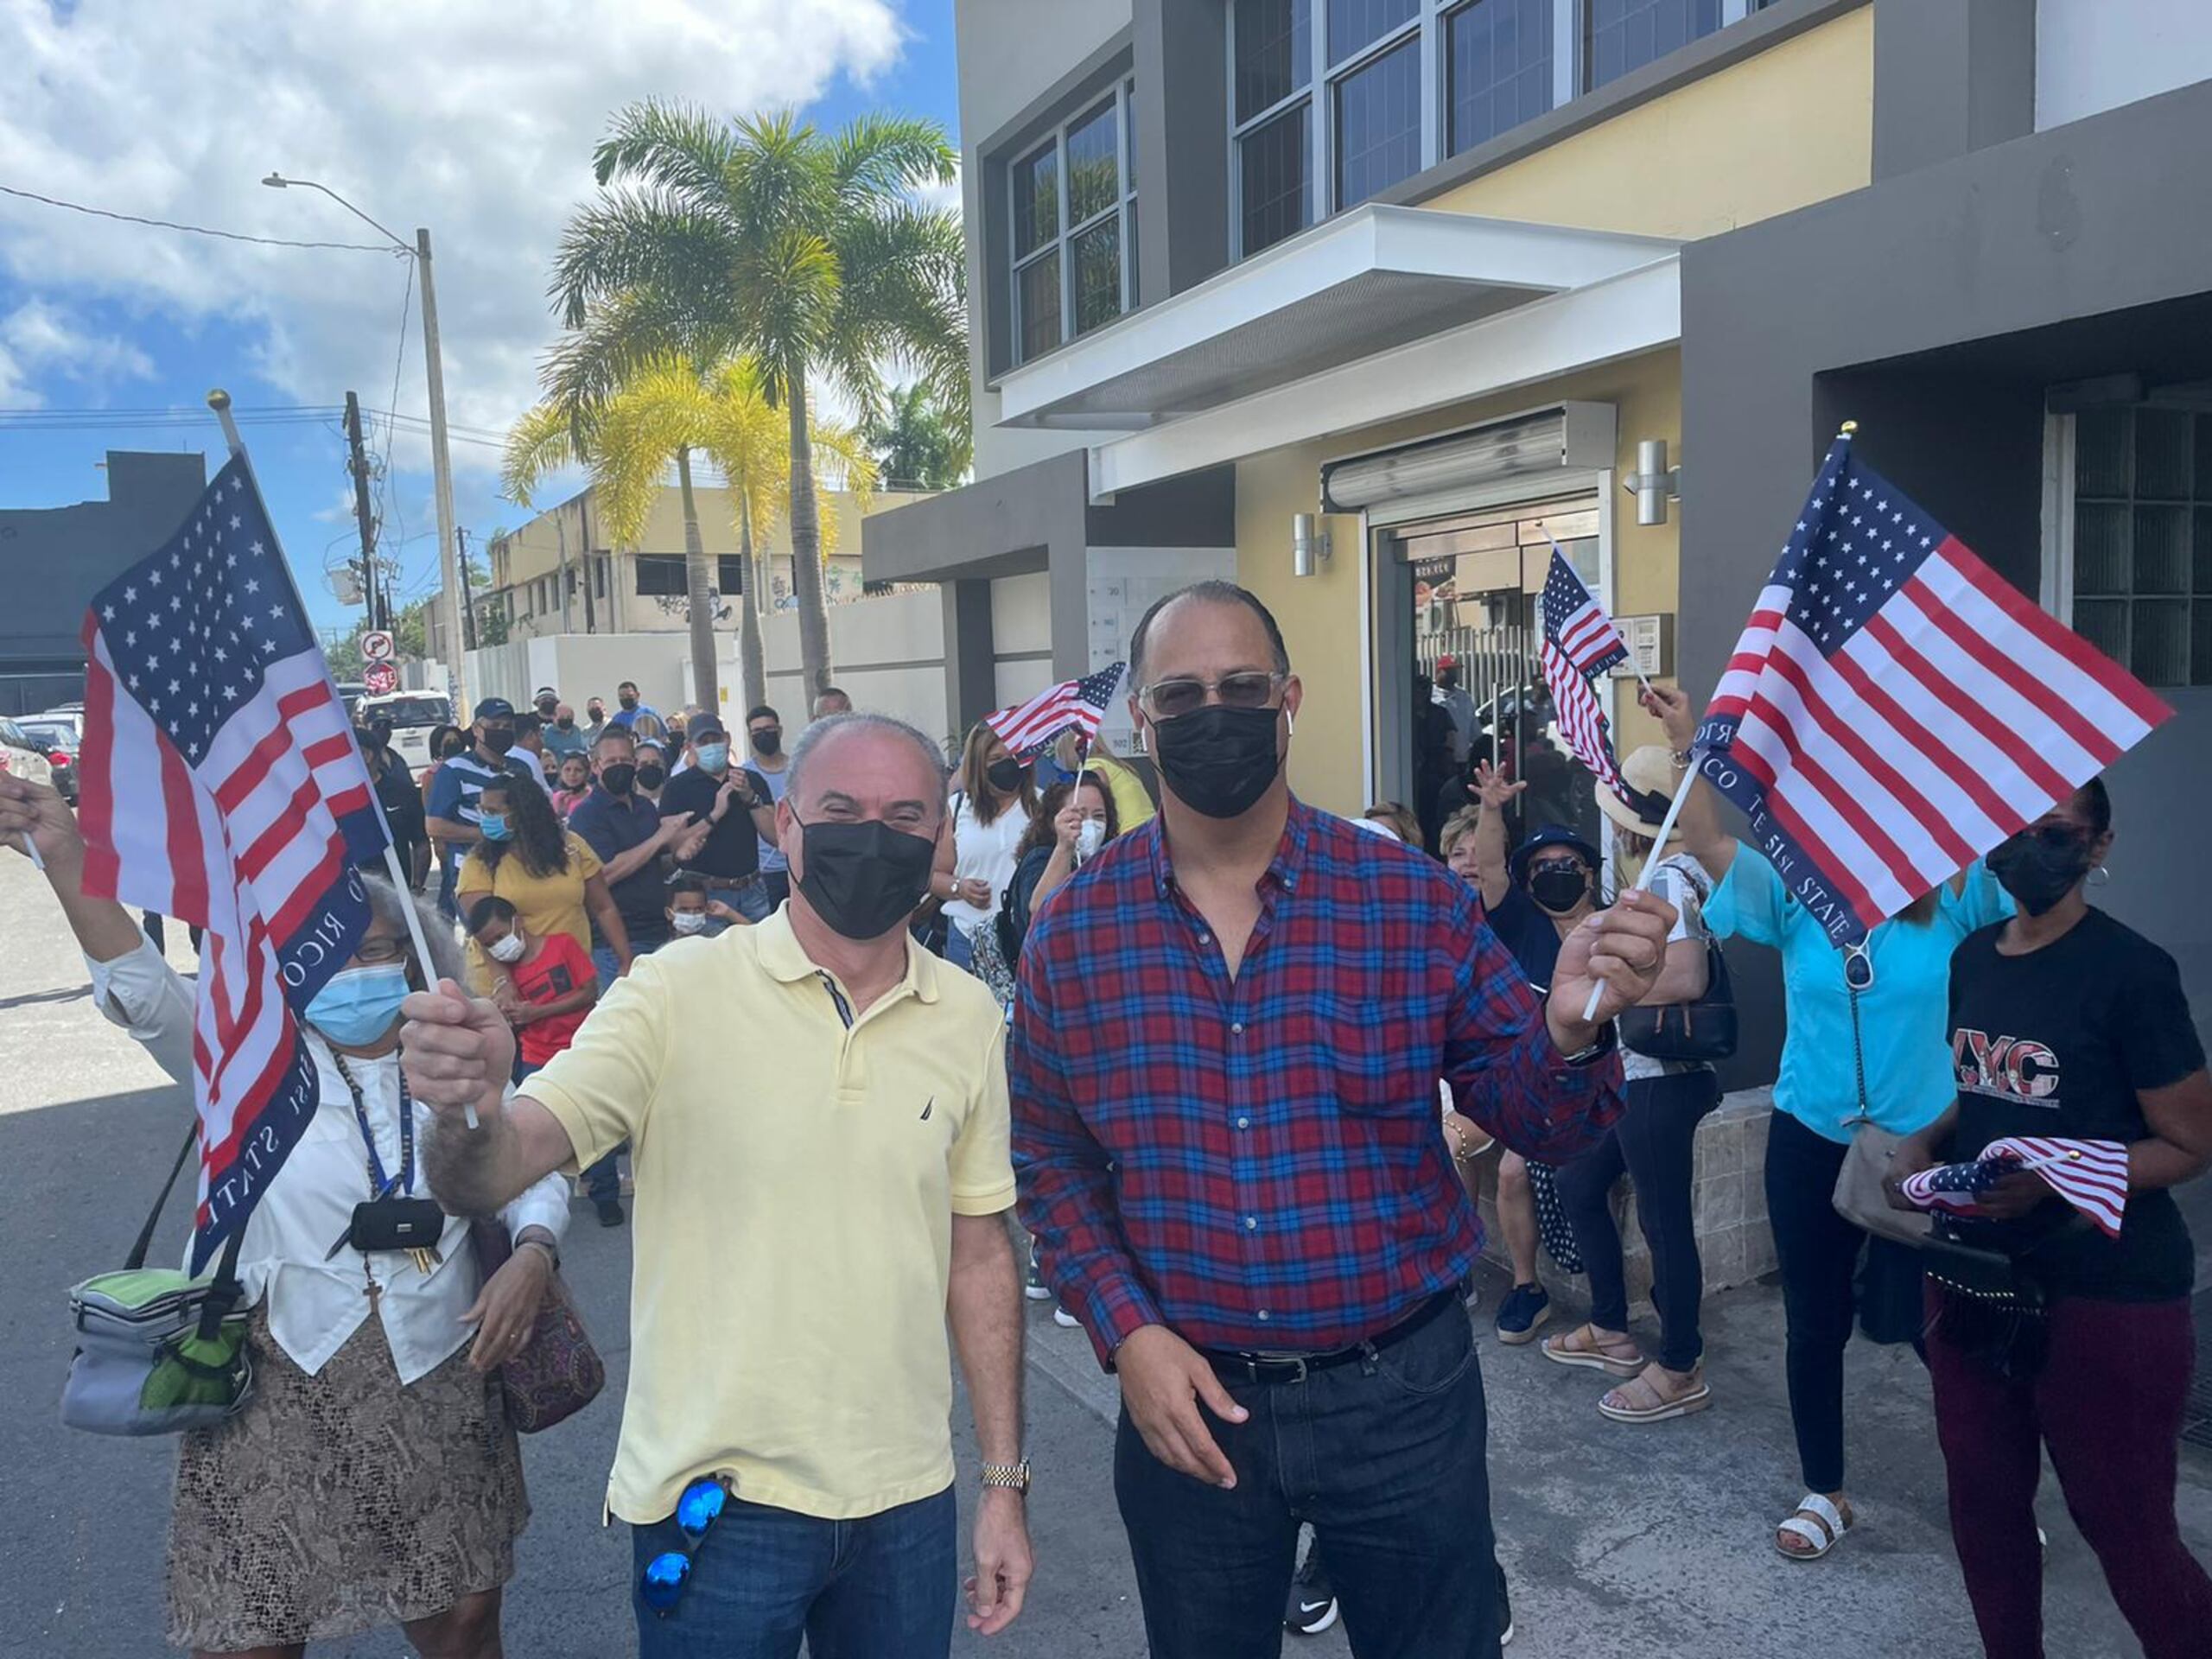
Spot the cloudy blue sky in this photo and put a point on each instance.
(472, 118)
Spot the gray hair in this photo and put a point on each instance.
(819, 731)
(388, 904)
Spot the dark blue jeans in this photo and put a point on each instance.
(882, 1587)
(1384, 1456)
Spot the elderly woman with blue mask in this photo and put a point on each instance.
(371, 1477)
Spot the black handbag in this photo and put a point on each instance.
(1701, 1031)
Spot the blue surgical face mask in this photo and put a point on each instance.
(493, 826)
(713, 757)
(359, 1005)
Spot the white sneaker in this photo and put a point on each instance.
(1061, 1317)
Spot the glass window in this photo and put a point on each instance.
(1498, 54)
(729, 573)
(1098, 275)
(2142, 545)
(1037, 304)
(1356, 23)
(1274, 53)
(660, 575)
(1271, 160)
(1378, 125)
(1619, 35)
(1036, 201)
(1094, 178)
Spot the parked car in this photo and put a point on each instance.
(411, 716)
(71, 714)
(59, 743)
(22, 757)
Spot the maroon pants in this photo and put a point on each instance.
(2108, 1404)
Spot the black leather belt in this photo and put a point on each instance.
(1263, 1367)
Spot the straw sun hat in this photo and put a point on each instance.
(1647, 778)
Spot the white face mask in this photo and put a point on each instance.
(1089, 838)
(689, 921)
(506, 949)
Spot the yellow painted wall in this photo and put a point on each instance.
(1320, 613)
(1790, 125)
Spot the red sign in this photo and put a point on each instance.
(381, 678)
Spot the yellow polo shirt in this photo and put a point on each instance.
(793, 1234)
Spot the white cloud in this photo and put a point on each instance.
(477, 120)
(39, 339)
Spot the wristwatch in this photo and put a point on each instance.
(1609, 1039)
(1015, 1476)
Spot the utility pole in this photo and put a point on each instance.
(468, 603)
(379, 610)
(561, 532)
(459, 613)
(590, 564)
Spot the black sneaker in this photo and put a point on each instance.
(1033, 1282)
(1312, 1608)
(610, 1212)
(1504, 1611)
(1522, 1311)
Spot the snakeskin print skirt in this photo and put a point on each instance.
(341, 1502)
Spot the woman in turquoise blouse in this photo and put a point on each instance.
(1885, 1061)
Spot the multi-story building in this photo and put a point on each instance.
(557, 574)
(52, 560)
(1433, 272)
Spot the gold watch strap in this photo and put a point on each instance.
(1013, 1475)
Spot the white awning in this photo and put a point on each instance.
(1366, 281)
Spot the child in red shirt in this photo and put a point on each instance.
(545, 982)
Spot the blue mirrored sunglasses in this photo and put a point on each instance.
(660, 1586)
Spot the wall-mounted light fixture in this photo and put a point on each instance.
(1309, 543)
(1654, 483)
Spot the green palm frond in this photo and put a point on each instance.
(673, 146)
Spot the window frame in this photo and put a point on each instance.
(1319, 95)
(1119, 96)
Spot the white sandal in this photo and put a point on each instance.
(1818, 1522)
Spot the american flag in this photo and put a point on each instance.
(1030, 728)
(1895, 707)
(2091, 1175)
(222, 786)
(1580, 640)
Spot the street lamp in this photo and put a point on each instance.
(441, 455)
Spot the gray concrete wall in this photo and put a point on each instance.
(52, 560)
(1936, 307)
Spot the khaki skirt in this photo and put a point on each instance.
(341, 1502)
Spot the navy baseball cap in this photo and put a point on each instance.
(494, 709)
(1547, 835)
(704, 726)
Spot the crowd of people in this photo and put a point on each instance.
(1242, 1070)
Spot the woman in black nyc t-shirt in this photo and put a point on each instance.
(2066, 1024)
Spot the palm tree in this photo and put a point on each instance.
(666, 409)
(916, 441)
(803, 250)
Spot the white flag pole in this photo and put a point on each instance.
(1651, 867)
(220, 401)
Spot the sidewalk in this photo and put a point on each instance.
(1634, 1542)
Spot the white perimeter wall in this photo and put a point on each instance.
(2093, 55)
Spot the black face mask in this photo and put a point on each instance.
(629, 702)
(652, 777)
(864, 879)
(597, 716)
(1558, 890)
(545, 710)
(767, 740)
(568, 723)
(498, 739)
(617, 779)
(1005, 776)
(2039, 872)
(1217, 760)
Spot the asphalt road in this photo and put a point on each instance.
(1622, 1543)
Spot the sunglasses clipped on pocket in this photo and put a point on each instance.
(661, 1586)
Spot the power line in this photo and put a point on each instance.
(202, 230)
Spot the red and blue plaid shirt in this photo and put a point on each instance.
(1256, 1162)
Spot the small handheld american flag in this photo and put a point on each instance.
(2090, 1175)
(1895, 707)
(1580, 642)
(222, 786)
(1030, 728)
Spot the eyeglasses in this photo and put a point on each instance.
(1173, 699)
(1857, 967)
(380, 951)
(661, 1586)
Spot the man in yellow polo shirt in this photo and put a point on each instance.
(806, 1230)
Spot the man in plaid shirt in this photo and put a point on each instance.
(1224, 1061)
